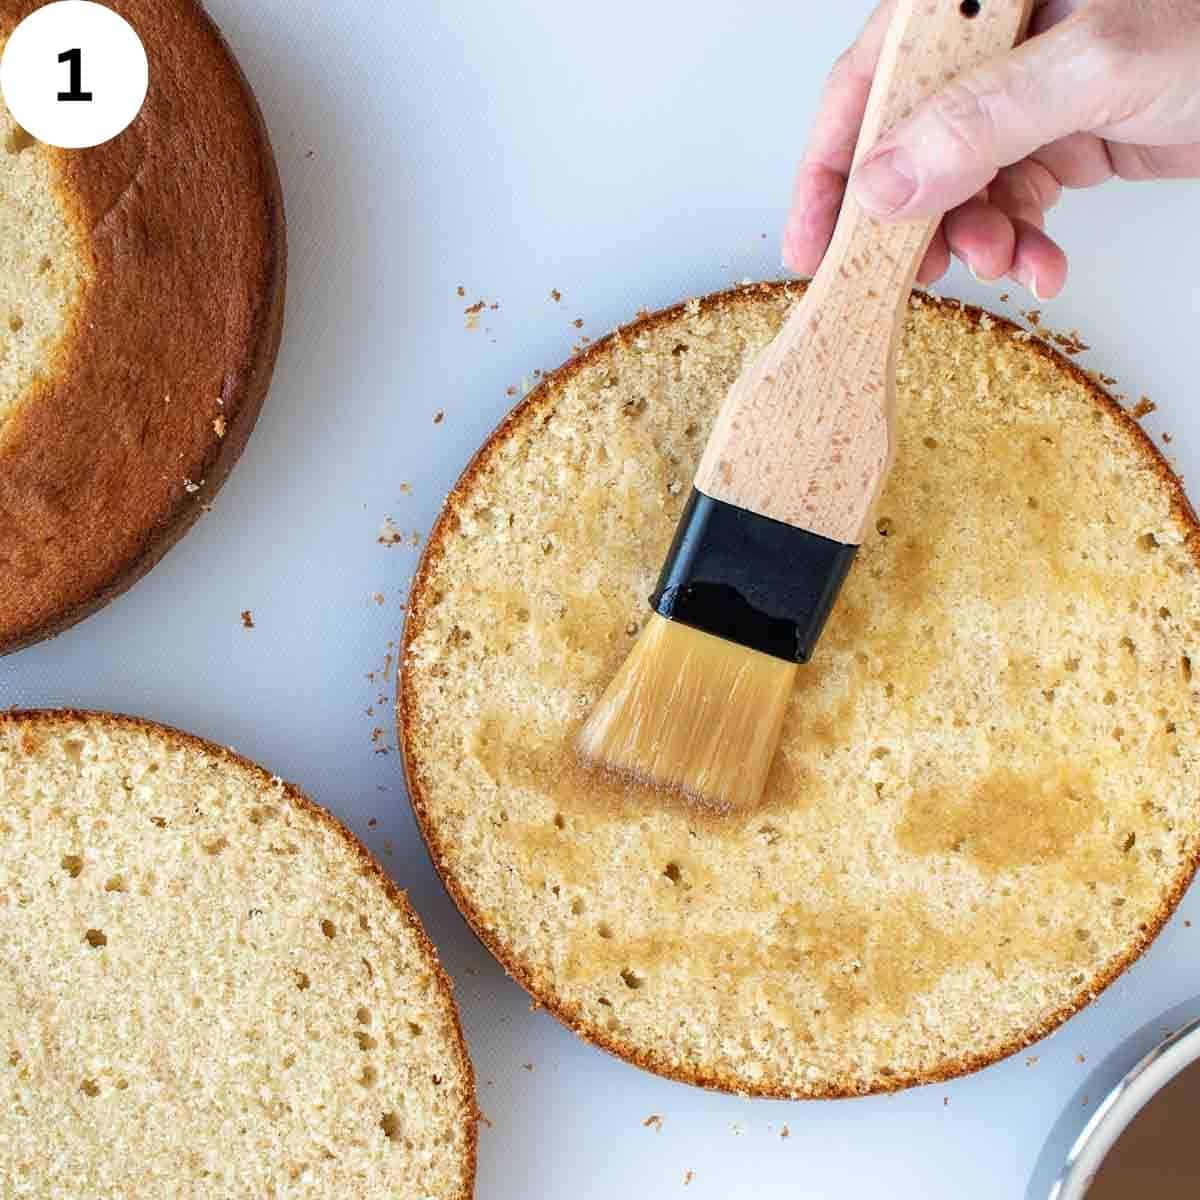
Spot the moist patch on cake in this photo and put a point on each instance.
(207, 986)
(141, 312)
(983, 807)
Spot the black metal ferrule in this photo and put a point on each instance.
(750, 579)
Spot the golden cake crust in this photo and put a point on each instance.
(522, 422)
(148, 400)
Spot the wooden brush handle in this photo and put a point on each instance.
(805, 434)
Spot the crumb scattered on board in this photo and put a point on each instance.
(389, 535)
(653, 1121)
(527, 1066)
(378, 597)
(474, 311)
(372, 822)
(785, 1133)
(379, 680)
(555, 295)
(1070, 343)
(1143, 408)
(247, 619)
(688, 1176)
(1081, 1058)
(439, 416)
(462, 291)
(406, 489)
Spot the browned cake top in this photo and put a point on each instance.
(164, 251)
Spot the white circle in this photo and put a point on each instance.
(74, 47)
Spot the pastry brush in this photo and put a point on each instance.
(788, 481)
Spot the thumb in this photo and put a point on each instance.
(955, 142)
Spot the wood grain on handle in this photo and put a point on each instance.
(805, 434)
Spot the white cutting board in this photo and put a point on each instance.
(627, 154)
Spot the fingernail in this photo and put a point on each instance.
(1027, 279)
(886, 184)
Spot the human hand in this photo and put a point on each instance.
(1102, 88)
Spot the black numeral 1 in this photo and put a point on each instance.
(75, 58)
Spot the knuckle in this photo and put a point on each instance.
(964, 119)
(1042, 188)
(1134, 163)
(1111, 34)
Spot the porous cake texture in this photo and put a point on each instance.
(984, 806)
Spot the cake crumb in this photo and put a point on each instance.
(1003, 297)
(1081, 1058)
(785, 1133)
(688, 1176)
(555, 295)
(1070, 343)
(462, 291)
(528, 1067)
(378, 597)
(372, 822)
(247, 619)
(439, 416)
(1031, 1061)
(406, 489)
(653, 1120)
(1143, 408)
(219, 426)
(389, 535)
(1167, 438)
(945, 1101)
(578, 322)
(1034, 317)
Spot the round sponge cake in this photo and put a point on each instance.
(207, 986)
(141, 302)
(984, 804)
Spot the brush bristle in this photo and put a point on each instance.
(692, 713)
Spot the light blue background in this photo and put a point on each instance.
(628, 154)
